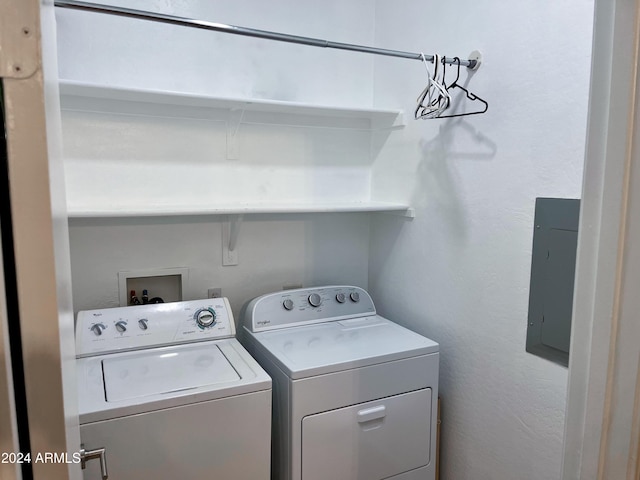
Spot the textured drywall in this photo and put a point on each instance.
(459, 272)
(273, 250)
(135, 53)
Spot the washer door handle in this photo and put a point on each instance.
(372, 413)
(99, 453)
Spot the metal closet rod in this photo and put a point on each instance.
(247, 32)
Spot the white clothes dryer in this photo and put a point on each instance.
(167, 392)
(355, 395)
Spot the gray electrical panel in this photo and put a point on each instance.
(553, 265)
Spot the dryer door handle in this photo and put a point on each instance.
(373, 413)
(96, 453)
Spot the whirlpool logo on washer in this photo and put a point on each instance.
(262, 323)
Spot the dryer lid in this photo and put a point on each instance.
(160, 371)
(340, 345)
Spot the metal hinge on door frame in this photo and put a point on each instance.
(19, 39)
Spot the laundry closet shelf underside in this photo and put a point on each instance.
(88, 96)
(241, 209)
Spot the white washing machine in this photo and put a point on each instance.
(355, 395)
(168, 392)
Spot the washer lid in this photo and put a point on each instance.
(170, 381)
(155, 372)
(340, 345)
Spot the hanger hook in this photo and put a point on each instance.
(455, 82)
(426, 66)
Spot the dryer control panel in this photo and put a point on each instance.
(306, 306)
(154, 325)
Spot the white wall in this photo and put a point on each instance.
(459, 272)
(274, 251)
(134, 53)
(137, 161)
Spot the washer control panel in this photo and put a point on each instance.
(142, 326)
(305, 306)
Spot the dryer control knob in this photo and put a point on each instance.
(355, 297)
(341, 298)
(121, 326)
(288, 304)
(315, 300)
(205, 317)
(143, 323)
(98, 328)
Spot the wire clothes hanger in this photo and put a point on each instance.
(470, 96)
(435, 99)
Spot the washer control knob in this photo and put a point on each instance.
(121, 326)
(143, 323)
(315, 300)
(97, 329)
(341, 297)
(288, 304)
(355, 297)
(206, 317)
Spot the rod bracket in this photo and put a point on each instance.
(476, 57)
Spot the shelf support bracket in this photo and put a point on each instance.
(230, 231)
(233, 127)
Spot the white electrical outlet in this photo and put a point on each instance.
(214, 293)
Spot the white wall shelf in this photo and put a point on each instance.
(242, 209)
(144, 153)
(94, 97)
